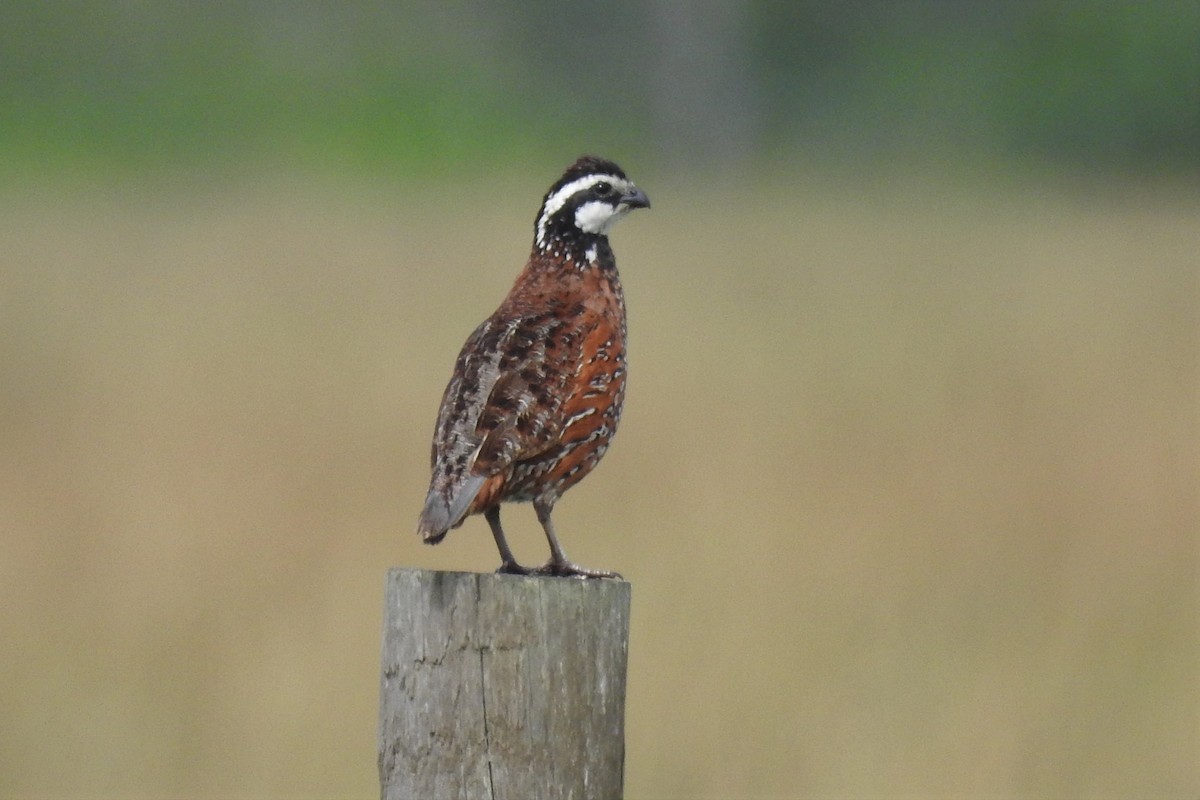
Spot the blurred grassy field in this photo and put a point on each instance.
(906, 485)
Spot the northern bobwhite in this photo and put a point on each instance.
(537, 389)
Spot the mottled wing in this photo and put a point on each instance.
(523, 413)
(502, 405)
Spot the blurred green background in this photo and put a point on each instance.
(907, 481)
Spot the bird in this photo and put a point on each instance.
(538, 388)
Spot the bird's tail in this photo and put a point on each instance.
(445, 510)
(435, 519)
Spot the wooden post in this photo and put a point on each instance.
(498, 687)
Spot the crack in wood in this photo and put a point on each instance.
(487, 738)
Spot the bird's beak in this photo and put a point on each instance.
(635, 198)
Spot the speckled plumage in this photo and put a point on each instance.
(538, 388)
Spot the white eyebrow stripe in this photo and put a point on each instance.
(556, 201)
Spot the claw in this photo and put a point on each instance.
(567, 569)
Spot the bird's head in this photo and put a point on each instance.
(584, 203)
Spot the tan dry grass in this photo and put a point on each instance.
(906, 485)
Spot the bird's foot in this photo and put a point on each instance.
(513, 568)
(567, 569)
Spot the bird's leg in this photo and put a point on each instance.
(508, 564)
(559, 564)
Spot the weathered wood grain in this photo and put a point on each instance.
(497, 687)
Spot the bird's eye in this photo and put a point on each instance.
(603, 189)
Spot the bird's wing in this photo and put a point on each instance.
(502, 405)
(522, 415)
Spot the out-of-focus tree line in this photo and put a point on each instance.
(412, 85)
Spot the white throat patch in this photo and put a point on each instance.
(556, 201)
(597, 216)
